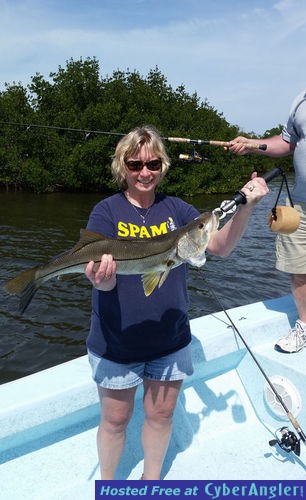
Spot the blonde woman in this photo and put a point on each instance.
(135, 339)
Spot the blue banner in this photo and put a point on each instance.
(213, 490)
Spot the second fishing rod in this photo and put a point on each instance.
(285, 438)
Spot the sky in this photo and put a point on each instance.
(247, 58)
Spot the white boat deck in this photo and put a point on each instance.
(222, 426)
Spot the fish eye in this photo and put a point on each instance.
(201, 225)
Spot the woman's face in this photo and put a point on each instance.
(143, 178)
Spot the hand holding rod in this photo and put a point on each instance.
(224, 144)
(240, 199)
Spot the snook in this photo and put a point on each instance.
(152, 258)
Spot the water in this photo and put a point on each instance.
(34, 228)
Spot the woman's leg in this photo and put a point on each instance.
(116, 410)
(159, 403)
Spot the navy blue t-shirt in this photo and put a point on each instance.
(126, 326)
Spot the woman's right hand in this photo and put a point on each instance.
(102, 275)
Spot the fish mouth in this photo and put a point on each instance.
(215, 219)
(212, 223)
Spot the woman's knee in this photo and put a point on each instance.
(160, 401)
(114, 425)
(162, 415)
(116, 410)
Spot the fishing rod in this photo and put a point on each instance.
(285, 438)
(66, 129)
(224, 144)
(88, 132)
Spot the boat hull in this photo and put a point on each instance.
(222, 424)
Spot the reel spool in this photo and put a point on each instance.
(288, 393)
(287, 441)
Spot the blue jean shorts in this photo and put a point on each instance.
(112, 375)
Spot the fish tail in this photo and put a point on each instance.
(24, 285)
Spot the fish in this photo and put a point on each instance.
(152, 258)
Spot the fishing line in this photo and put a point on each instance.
(246, 345)
(286, 439)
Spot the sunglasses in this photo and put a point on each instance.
(137, 165)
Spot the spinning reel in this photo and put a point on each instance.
(194, 158)
(287, 440)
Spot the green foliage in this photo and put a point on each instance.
(39, 151)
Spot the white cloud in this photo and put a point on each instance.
(245, 57)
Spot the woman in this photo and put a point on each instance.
(136, 339)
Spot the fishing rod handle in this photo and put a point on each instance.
(249, 145)
(240, 199)
(183, 139)
(224, 144)
(296, 425)
(268, 176)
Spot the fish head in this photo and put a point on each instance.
(192, 245)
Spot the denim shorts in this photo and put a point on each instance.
(112, 375)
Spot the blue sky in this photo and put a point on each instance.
(246, 57)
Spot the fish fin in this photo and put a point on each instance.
(165, 274)
(16, 285)
(150, 282)
(86, 237)
(24, 285)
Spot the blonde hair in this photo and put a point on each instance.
(130, 145)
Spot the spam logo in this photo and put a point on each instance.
(129, 230)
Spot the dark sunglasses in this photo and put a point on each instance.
(137, 165)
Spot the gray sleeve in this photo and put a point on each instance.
(289, 133)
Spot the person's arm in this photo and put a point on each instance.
(276, 146)
(224, 241)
